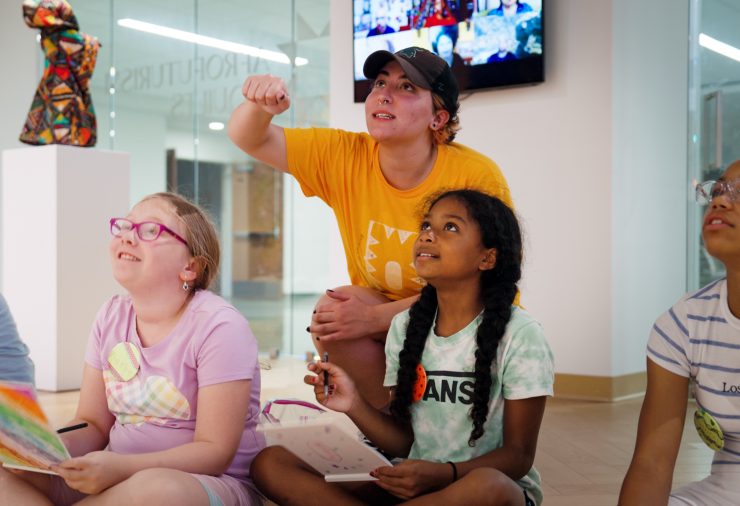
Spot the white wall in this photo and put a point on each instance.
(553, 143)
(57, 271)
(21, 57)
(649, 176)
(557, 144)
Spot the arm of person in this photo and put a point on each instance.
(378, 427)
(381, 428)
(222, 410)
(93, 409)
(351, 316)
(522, 420)
(650, 475)
(514, 458)
(250, 126)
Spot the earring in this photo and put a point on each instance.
(434, 125)
(185, 286)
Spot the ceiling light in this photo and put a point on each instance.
(216, 125)
(203, 40)
(719, 47)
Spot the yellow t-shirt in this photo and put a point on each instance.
(379, 223)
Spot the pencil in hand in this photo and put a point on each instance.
(326, 375)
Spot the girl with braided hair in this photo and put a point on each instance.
(469, 373)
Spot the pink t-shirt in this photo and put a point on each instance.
(156, 409)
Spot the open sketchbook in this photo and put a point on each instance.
(27, 441)
(331, 449)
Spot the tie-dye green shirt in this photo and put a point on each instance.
(441, 420)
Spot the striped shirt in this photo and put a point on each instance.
(700, 338)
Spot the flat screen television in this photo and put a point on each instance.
(488, 43)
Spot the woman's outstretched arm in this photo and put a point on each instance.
(250, 126)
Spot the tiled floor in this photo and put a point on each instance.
(585, 448)
(583, 451)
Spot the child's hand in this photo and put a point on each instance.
(341, 392)
(411, 478)
(92, 473)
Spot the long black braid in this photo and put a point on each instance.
(500, 230)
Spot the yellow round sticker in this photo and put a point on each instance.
(125, 359)
(709, 430)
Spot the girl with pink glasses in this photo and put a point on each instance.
(171, 385)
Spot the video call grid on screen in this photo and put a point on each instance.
(487, 43)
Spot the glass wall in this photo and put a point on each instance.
(169, 73)
(714, 114)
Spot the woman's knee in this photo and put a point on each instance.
(365, 294)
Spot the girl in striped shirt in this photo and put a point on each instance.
(698, 338)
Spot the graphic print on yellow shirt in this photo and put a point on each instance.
(377, 221)
(388, 258)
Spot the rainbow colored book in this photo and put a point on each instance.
(27, 441)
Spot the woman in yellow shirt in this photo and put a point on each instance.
(375, 183)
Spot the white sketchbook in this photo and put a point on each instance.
(331, 449)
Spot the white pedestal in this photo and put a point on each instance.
(56, 202)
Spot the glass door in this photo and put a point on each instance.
(714, 114)
(168, 76)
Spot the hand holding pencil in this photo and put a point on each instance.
(332, 386)
(325, 360)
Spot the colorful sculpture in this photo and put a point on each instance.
(62, 110)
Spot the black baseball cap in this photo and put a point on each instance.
(423, 68)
